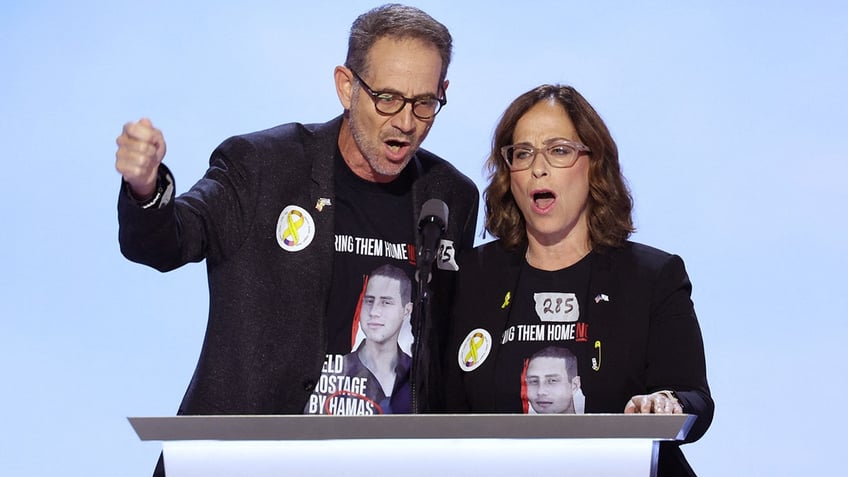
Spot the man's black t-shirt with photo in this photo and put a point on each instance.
(369, 348)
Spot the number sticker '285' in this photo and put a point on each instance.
(557, 307)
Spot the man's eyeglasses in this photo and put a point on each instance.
(559, 153)
(424, 107)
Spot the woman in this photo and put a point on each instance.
(563, 313)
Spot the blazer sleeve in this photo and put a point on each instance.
(209, 221)
(676, 349)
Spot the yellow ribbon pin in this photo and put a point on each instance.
(506, 300)
(473, 345)
(293, 226)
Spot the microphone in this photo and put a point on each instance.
(431, 228)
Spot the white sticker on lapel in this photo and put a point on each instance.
(474, 349)
(295, 229)
(446, 258)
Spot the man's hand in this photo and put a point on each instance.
(141, 148)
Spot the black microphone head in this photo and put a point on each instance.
(434, 210)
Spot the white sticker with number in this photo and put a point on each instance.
(446, 258)
(557, 307)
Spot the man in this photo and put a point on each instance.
(552, 381)
(375, 377)
(287, 217)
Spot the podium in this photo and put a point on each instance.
(418, 445)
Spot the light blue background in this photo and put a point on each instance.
(730, 119)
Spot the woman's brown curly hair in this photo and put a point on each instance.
(610, 202)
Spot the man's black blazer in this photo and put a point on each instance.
(265, 340)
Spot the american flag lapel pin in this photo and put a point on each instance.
(322, 202)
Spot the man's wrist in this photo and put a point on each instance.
(162, 194)
(153, 201)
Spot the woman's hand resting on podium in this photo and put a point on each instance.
(660, 402)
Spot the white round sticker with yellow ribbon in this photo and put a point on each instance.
(295, 229)
(474, 349)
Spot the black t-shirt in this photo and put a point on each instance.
(544, 341)
(373, 228)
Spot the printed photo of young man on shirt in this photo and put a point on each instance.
(551, 384)
(374, 377)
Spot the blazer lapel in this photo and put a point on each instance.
(503, 292)
(321, 150)
(603, 296)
